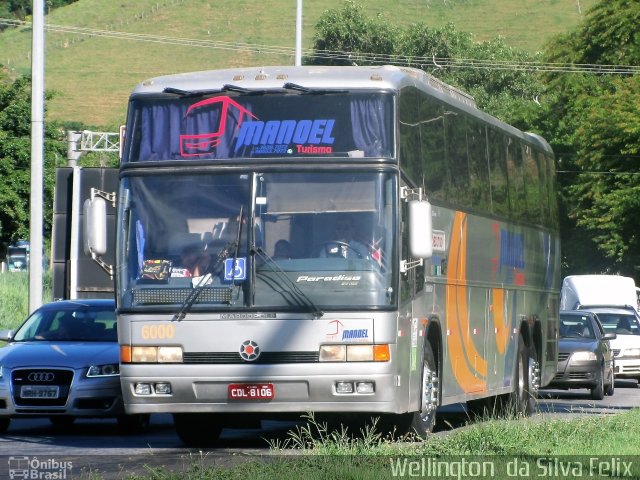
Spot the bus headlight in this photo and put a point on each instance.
(150, 354)
(355, 353)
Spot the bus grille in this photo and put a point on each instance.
(264, 358)
(154, 296)
(41, 376)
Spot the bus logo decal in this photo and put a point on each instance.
(249, 350)
(307, 135)
(199, 144)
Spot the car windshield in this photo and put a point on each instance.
(620, 323)
(288, 240)
(576, 326)
(77, 323)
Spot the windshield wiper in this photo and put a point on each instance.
(310, 91)
(204, 281)
(247, 91)
(191, 93)
(232, 246)
(298, 294)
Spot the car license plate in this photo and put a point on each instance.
(254, 391)
(39, 391)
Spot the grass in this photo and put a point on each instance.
(14, 291)
(93, 74)
(517, 444)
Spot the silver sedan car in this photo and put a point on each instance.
(63, 363)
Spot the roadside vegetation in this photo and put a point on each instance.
(14, 291)
(314, 452)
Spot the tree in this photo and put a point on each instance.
(346, 37)
(592, 122)
(15, 160)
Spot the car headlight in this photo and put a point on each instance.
(109, 370)
(630, 352)
(583, 356)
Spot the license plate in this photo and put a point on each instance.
(254, 391)
(39, 391)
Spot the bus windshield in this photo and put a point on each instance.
(286, 241)
(268, 124)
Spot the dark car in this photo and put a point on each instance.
(63, 363)
(585, 358)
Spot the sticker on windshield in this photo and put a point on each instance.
(239, 272)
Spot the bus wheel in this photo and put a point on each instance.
(527, 379)
(421, 423)
(138, 423)
(197, 429)
(4, 424)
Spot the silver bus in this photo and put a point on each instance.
(357, 241)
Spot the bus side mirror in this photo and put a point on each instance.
(95, 227)
(420, 230)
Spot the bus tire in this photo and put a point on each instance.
(133, 424)
(527, 379)
(197, 429)
(421, 423)
(4, 424)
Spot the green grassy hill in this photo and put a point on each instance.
(93, 73)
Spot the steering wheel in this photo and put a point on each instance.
(333, 248)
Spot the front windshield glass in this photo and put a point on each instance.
(576, 326)
(290, 241)
(70, 324)
(620, 323)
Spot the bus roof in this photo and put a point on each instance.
(385, 77)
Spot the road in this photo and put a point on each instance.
(98, 446)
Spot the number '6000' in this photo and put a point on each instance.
(160, 331)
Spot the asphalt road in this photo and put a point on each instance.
(98, 446)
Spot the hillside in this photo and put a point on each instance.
(93, 72)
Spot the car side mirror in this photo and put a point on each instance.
(609, 336)
(6, 335)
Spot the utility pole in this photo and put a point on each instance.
(299, 34)
(37, 154)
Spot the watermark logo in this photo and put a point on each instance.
(39, 469)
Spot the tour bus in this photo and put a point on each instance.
(357, 242)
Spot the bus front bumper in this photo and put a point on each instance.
(295, 389)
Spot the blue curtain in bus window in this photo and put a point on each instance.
(370, 122)
(160, 132)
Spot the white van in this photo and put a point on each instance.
(583, 291)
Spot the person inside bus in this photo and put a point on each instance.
(344, 243)
(282, 250)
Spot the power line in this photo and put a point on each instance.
(591, 172)
(421, 61)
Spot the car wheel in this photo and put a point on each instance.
(4, 424)
(611, 386)
(62, 420)
(597, 392)
(134, 423)
(197, 429)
